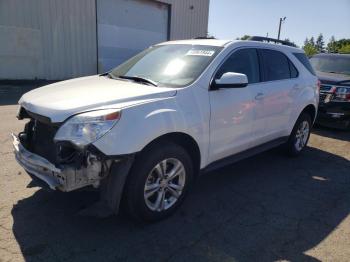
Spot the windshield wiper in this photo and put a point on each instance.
(135, 78)
(139, 79)
(110, 75)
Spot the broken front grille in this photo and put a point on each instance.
(38, 138)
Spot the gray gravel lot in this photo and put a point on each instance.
(265, 208)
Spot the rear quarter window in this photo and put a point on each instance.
(305, 61)
(293, 71)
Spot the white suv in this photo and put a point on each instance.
(145, 130)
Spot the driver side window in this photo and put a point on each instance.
(244, 61)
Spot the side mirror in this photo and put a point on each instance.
(231, 80)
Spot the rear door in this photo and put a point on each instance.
(274, 97)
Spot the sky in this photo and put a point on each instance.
(229, 19)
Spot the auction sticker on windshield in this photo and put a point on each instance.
(200, 52)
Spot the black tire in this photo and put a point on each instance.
(134, 199)
(291, 147)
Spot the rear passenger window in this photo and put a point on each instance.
(277, 65)
(293, 71)
(244, 61)
(305, 61)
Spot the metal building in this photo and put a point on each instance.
(61, 39)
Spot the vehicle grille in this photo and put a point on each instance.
(40, 139)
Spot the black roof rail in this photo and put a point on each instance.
(268, 40)
(205, 37)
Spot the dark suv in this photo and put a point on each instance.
(333, 70)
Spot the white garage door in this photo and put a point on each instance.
(126, 27)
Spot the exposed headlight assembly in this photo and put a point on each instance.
(86, 128)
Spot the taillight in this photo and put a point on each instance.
(341, 93)
(318, 85)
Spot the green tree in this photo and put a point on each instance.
(320, 43)
(245, 37)
(345, 49)
(332, 46)
(288, 40)
(310, 49)
(309, 46)
(342, 42)
(312, 41)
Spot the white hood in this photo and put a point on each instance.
(61, 100)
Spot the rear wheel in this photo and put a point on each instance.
(300, 135)
(158, 182)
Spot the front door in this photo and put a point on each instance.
(232, 112)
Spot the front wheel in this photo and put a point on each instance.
(158, 182)
(300, 135)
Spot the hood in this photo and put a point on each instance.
(333, 79)
(61, 100)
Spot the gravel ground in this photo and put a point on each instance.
(265, 208)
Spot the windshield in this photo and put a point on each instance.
(169, 65)
(331, 64)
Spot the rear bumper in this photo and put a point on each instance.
(64, 178)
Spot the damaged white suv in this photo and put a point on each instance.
(144, 131)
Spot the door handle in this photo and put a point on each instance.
(259, 96)
(296, 86)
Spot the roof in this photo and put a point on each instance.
(212, 42)
(217, 42)
(271, 45)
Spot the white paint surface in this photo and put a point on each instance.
(222, 122)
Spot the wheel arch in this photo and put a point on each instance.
(184, 140)
(311, 110)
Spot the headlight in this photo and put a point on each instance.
(87, 127)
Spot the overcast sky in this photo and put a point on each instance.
(229, 19)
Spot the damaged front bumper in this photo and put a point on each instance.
(66, 177)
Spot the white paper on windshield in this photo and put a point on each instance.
(200, 52)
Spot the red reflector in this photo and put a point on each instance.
(318, 85)
(113, 116)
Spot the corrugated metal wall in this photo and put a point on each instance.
(47, 39)
(56, 39)
(189, 18)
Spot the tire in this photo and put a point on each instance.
(300, 135)
(143, 200)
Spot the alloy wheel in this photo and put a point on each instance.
(302, 135)
(164, 184)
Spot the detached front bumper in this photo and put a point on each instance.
(66, 177)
